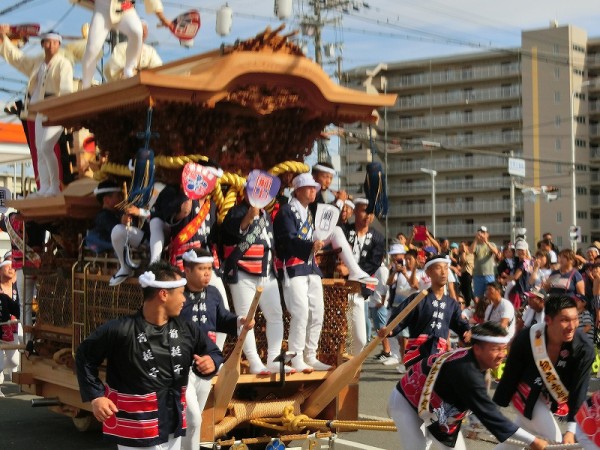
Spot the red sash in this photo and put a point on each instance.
(189, 230)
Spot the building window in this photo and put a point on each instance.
(556, 73)
(582, 214)
(580, 119)
(581, 190)
(557, 121)
(559, 241)
(578, 72)
(580, 95)
(558, 167)
(578, 48)
(556, 97)
(559, 217)
(557, 144)
(580, 143)
(556, 49)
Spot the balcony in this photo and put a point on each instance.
(594, 130)
(469, 229)
(595, 200)
(595, 224)
(447, 164)
(454, 76)
(462, 118)
(460, 97)
(422, 187)
(456, 208)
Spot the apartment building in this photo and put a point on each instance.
(463, 116)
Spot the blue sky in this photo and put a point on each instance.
(388, 30)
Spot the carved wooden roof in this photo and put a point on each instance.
(250, 105)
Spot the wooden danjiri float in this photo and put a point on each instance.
(257, 104)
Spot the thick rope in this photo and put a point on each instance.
(297, 423)
(267, 439)
(289, 166)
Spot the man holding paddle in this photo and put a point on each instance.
(431, 400)
(431, 321)
(205, 307)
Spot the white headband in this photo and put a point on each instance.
(148, 279)
(361, 201)
(55, 36)
(444, 260)
(321, 168)
(192, 256)
(492, 339)
(6, 262)
(350, 204)
(106, 190)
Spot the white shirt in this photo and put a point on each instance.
(382, 289)
(504, 310)
(301, 209)
(529, 315)
(403, 289)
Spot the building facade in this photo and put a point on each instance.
(463, 117)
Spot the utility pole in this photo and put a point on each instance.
(312, 26)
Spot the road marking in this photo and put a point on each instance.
(356, 445)
(367, 417)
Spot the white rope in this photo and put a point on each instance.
(517, 443)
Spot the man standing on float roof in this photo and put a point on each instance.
(548, 367)
(49, 75)
(117, 15)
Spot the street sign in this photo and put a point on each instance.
(575, 233)
(516, 167)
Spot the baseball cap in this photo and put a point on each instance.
(521, 245)
(397, 249)
(454, 245)
(482, 228)
(539, 293)
(303, 180)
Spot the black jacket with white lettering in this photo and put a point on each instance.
(522, 382)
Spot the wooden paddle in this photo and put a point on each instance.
(230, 371)
(344, 374)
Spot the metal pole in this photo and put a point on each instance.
(513, 213)
(385, 155)
(433, 174)
(573, 176)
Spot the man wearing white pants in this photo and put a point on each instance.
(368, 251)
(301, 277)
(50, 74)
(548, 366)
(248, 246)
(122, 16)
(203, 306)
(428, 404)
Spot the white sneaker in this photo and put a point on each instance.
(120, 276)
(318, 365)
(401, 368)
(391, 361)
(363, 278)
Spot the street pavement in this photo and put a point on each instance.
(23, 427)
